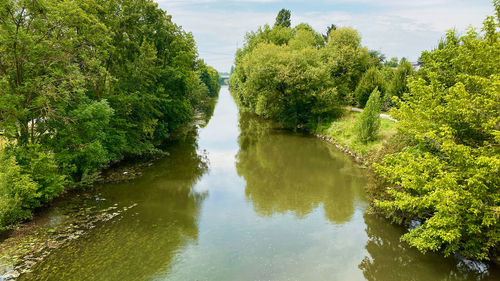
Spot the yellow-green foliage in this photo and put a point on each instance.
(17, 190)
(291, 75)
(448, 175)
(286, 85)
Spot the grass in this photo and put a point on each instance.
(342, 132)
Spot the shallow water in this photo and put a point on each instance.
(246, 201)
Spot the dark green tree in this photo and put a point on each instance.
(399, 85)
(371, 80)
(329, 30)
(369, 121)
(283, 18)
(85, 83)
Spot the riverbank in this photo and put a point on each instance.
(66, 218)
(75, 212)
(342, 133)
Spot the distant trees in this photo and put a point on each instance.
(399, 82)
(210, 78)
(393, 62)
(286, 85)
(84, 83)
(292, 76)
(283, 18)
(289, 74)
(329, 30)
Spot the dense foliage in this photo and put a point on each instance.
(372, 80)
(291, 75)
(84, 83)
(398, 85)
(447, 175)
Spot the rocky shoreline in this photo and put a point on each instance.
(30, 243)
(355, 156)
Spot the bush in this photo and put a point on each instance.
(369, 122)
(17, 191)
(40, 166)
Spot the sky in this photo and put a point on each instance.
(397, 28)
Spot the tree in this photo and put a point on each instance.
(329, 30)
(368, 123)
(85, 83)
(398, 84)
(371, 80)
(283, 18)
(286, 85)
(377, 57)
(393, 62)
(210, 78)
(447, 174)
(347, 60)
(305, 36)
(42, 44)
(17, 190)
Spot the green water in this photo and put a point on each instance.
(245, 201)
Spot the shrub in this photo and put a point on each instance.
(40, 166)
(17, 190)
(369, 121)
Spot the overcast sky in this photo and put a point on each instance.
(397, 28)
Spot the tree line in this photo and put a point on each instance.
(87, 83)
(441, 171)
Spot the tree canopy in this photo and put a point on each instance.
(283, 18)
(292, 76)
(447, 173)
(85, 83)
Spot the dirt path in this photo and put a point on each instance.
(382, 115)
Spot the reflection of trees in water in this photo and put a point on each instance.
(289, 172)
(391, 259)
(144, 240)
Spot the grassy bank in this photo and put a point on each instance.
(342, 132)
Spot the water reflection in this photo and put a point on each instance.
(293, 208)
(145, 239)
(391, 259)
(287, 172)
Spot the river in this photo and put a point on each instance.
(245, 200)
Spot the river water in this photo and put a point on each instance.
(246, 201)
